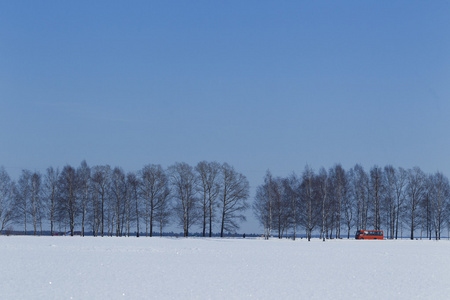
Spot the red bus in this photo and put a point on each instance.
(369, 235)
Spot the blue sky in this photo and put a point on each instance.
(258, 84)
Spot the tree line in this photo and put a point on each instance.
(335, 202)
(105, 201)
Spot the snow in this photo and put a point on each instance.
(195, 268)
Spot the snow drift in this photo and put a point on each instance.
(194, 268)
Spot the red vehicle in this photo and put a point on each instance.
(369, 235)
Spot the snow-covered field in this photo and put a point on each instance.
(193, 268)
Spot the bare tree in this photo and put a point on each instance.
(84, 177)
(153, 184)
(292, 198)
(233, 198)
(280, 209)
(119, 192)
(208, 173)
(50, 191)
(389, 206)
(35, 201)
(322, 191)
(263, 204)
(94, 213)
(400, 181)
(415, 192)
(6, 200)
(131, 199)
(101, 184)
(22, 198)
(338, 191)
(426, 206)
(184, 181)
(163, 212)
(440, 202)
(360, 183)
(133, 192)
(348, 205)
(376, 187)
(68, 190)
(311, 209)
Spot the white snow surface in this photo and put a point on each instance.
(196, 268)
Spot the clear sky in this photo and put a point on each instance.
(258, 84)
